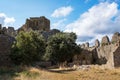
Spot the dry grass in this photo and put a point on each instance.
(38, 74)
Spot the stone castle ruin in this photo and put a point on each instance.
(40, 24)
(104, 52)
(6, 40)
(107, 52)
(7, 35)
(8, 31)
(36, 23)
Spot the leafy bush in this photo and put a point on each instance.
(61, 47)
(28, 47)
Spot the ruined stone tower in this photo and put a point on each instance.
(36, 23)
(8, 34)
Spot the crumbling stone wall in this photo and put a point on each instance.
(117, 57)
(7, 35)
(8, 31)
(11, 31)
(85, 58)
(5, 47)
(97, 43)
(36, 23)
(115, 37)
(105, 41)
(108, 52)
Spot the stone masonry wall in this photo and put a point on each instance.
(5, 47)
(107, 52)
(36, 23)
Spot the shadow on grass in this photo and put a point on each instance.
(61, 71)
(57, 70)
(9, 73)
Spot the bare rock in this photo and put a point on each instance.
(116, 37)
(105, 40)
(97, 43)
(87, 45)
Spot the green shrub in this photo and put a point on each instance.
(29, 47)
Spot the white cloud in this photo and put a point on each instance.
(58, 24)
(101, 19)
(62, 12)
(117, 1)
(5, 20)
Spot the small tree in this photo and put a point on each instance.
(61, 47)
(29, 47)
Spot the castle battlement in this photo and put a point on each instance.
(8, 31)
(36, 23)
(105, 52)
(7, 35)
(105, 41)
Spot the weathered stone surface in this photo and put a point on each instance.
(97, 43)
(87, 45)
(50, 33)
(11, 32)
(108, 53)
(0, 26)
(85, 58)
(82, 46)
(105, 39)
(4, 29)
(54, 31)
(10, 29)
(117, 57)
(5, 47)
(1, 29)
(36, 23)
(116, 37)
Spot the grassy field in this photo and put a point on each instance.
(18, 73)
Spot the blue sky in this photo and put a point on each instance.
(22, 9)
(89, 19)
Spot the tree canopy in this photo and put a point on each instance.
(28, 47)
(61, 47)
